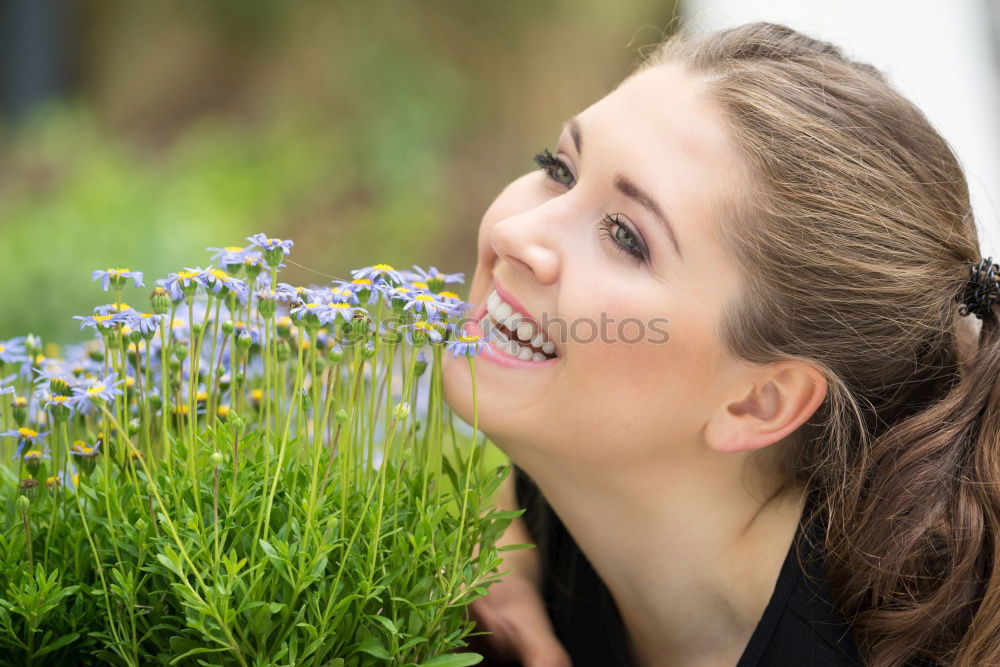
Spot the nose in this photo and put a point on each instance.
(528, 241)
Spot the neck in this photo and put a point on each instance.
(689, 553)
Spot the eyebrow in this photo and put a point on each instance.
(628, 187)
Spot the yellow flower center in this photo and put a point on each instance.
(310, 306)
(419, 285)
(383, 267)
(187, 275)
(224, 410)
(20, 402)
(102, 318)
(58, 399)
(2, 348)
(32, 454)
(448, 295)
(96, 389)
(27, 433)
(361, 281)
(52, 481)
(202, 396)
(256, 394)
(233, 248)
(424, 297)
(468, 339)
(340, 305)
(403, 290)
(116, 272)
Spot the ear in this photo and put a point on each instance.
(780, 399)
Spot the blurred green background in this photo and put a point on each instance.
(364, 131)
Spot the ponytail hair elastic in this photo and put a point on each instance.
(982, 292)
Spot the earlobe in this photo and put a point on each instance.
(769, 411)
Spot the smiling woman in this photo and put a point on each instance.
(774, 485)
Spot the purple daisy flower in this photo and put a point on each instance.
(422, 329)
(262, 241)
(144, 323)
(90, 392)
(433, 275)
(101, 322)
(26, 436)
(183, 282)
(229, 256)
(377, 273)
(12, 351)
(117, 278)
(469, 346)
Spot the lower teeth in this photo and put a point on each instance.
(507, 342)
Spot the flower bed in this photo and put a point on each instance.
(250, 473)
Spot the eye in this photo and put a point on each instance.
(555, 168)
(623, 238)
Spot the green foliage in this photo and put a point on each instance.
(360, 582)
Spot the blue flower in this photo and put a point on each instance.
(470, 346)
(264, 243)
(117, 278)
(432, 275)
(144, 323)
(343, 294)
(419, 331)
(285, 292)
(26, 436)
(379, 273)
(229, 256)
(112, 308)
(220, 281)
(184, 282)
(426, 303)
(274, 249)
(101, 322)
(12, 351)
(92, 391)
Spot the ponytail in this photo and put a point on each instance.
(919, 549)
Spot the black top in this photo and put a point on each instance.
(799, 626)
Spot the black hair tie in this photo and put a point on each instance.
(982, 292)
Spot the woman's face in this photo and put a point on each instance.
(611, 250)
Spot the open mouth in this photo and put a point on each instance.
(514, 332)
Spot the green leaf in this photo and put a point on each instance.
(389, 625)
(453, 660)
(58, 644)
(373, 648)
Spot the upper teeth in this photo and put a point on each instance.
(526, 332)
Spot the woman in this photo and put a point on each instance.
(805, 468)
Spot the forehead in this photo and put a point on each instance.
(660, 127)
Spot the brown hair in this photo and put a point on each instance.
(854, 236)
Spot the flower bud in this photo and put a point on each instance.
(436, 283)
(23, 502)
(59, 387)
(160, 301)
(335, 354)
(283, 351)
(420, 365)
(222, 412)
(155, 402)
(228, 327)
(253, 267)
(133, 426)
(341, 416)
(33, 461)
(217, 459)
(273, 256)
(28, 488)
(236, 422)
(33, 345)
(266, 306)
(244, 340)
(96, 355)
(368, 351)
(134, 337)
(401, 411)
(180, 351)
(141, 525)
(174, 365)
(19, 408)
(224, 381)
(196, 328)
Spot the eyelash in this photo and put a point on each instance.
(550, 164)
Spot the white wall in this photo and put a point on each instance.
(938, 53)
